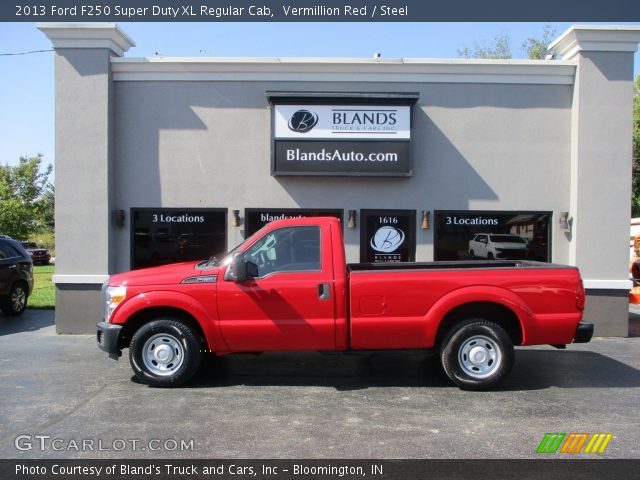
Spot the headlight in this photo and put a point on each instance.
(114, 296)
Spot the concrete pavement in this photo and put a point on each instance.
(60, 394)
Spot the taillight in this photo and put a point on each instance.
(580, 296)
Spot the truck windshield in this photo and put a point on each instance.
(224, 258)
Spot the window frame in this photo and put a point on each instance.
(318, 270)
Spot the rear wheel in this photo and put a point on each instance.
(477, 355)
(165, 353)
(16, 302)
(490, 256)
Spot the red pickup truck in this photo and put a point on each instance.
(289, 288)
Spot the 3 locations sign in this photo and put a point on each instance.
(489, 235)
(341, 140)
(167, 235)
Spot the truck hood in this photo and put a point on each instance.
(171, 274)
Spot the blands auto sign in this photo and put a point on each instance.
(341, 140)
(334, 122)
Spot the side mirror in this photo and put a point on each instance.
(252, 269)
(239, 265)
(242, 269)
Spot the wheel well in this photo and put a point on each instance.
(138, 319)
(490, 311)
(19, 281)
(4, 298)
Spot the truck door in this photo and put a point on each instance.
(290, 304)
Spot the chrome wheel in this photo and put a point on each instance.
(18, 299)
(479, 356)
(163, 354)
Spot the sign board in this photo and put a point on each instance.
(167, 235)
(342, 122)
(341, 139)
(387, 236)
(463, 235)
(256, 218)
(342, 158)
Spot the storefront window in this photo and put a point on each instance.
(256, 218)
(166, 235)
(487, 235)
(387, 236)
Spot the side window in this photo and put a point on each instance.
(291, 249)
(7, 251)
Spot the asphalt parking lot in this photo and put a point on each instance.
(60, 394)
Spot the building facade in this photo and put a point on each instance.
(168, 159)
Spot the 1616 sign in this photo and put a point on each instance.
(388, 236)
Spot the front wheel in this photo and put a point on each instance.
(16, 301)
(165, 353)
(477, 355)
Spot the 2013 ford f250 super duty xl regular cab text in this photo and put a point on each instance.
(288, 288)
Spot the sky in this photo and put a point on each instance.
(27, 81)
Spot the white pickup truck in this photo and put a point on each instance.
(497, 245)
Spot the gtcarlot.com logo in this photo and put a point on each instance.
(573, 443)
(43, 442)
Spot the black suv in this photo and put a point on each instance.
(16, 277)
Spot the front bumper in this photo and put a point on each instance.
(584, 332)
(107, 337)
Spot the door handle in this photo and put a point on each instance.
(324, 293)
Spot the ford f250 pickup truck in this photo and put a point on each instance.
(288, 288)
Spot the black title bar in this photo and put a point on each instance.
(329, 469)
(318, 11)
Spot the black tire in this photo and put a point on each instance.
(490, 256)
(493, 350)
(165, 353)
(16, 301)
(472, 254)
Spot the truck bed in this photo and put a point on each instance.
(393, 305)
(450, 265)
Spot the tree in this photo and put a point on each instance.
(536, 49)
(636, 119)
(635, 186)
(500, 47)
(26, 198)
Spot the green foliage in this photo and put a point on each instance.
(499, 48)
(45, 240)
(44, 292)
(635, 185)
(26, 198)
(536, 49)
(636, 119)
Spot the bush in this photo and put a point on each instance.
(45, 240)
